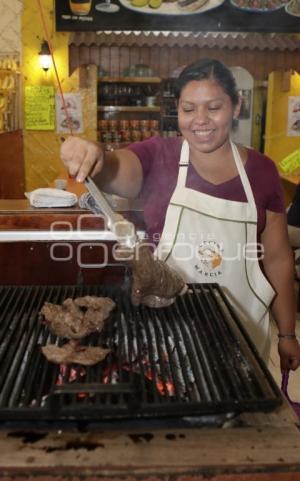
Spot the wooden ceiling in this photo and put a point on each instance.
(164, 51)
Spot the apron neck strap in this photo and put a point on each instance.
(243, 176)
(184, 163)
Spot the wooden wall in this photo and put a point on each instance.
(164, 60)
(12, 178)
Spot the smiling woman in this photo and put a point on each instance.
(208, 102)
(205, 114)
(206, 195)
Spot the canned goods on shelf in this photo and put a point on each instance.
(145, 124)
(134, 124)
(103, 124)
(115, 136)
(154, 124)
(113, 124)
(106, 137)
(125, 135)
(146, 134)
(103, 136)
(155, 132)
(136, 135)
(124, 124)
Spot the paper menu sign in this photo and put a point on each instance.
(293, 121)
(71, 120)
(291, 163)
(39, 107)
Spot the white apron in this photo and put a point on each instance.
(207, 239)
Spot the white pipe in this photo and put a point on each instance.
(57, 235)
(40, 235)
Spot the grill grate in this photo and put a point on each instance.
(190, 359)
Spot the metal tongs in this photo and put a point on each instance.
(123, 229)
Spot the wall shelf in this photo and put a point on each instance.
(131, 80)
(125, 108)
(134, 108)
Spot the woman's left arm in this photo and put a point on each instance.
(278, 262)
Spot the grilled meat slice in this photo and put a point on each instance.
(64, 320)
(77, 318)
(72, 352)
(97, 303)
(155, 284)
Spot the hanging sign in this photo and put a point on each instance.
(39, 107)
(180, 15)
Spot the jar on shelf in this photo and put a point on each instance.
(146, 134)
(134, 124)
(145, 124)
(125, 135)
(106, 137)
(124, 124)
(155, 132)
(103, 136)
(136, 135)
(154, 127)
(154, 124)
(103, 124)
(113, 124)
(115, 136)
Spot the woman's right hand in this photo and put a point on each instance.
(81, 157)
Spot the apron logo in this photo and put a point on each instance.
(210, 259)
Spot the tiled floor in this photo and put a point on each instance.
(274, 365)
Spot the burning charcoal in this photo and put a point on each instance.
(155, 284)
(77, 318)
(72, 352)
(69, 374)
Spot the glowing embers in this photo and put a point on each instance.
(146, 355)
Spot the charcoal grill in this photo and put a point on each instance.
(192, 358)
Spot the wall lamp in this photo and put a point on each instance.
(45, 56)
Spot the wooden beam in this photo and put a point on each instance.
(286, 80)
(83, 77)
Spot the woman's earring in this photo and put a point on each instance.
(235, 124)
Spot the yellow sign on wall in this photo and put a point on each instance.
(291, 163)
(39, 107)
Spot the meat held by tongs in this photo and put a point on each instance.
(154, 283)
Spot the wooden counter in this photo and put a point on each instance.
(262, 448)
(12, 179)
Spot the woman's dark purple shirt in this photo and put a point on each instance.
(160, 162)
